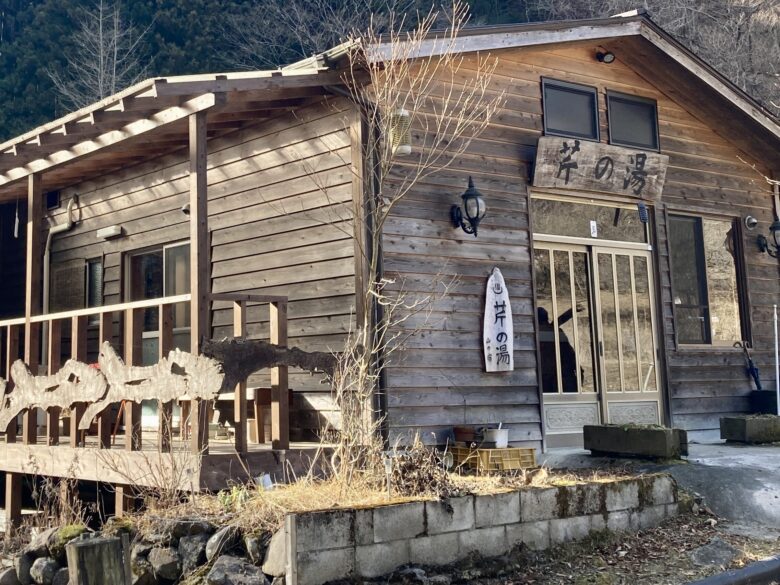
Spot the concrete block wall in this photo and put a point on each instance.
(334, 544)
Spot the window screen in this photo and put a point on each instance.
(94, 283)
(570, 109)
(633, 121)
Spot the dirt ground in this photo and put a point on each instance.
(659, 556)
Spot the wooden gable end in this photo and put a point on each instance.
(440, 380)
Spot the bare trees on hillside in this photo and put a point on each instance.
(273, 33)
(107, 56)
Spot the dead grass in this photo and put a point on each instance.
(257, 510)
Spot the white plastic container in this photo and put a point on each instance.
(498, 436)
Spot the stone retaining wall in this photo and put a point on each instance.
(328, 545)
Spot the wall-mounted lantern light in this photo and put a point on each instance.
(473, 207)
(605, 57)
(771, 245)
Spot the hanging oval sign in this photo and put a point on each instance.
(497, 330)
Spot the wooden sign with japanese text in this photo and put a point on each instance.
(498, 333)
(569, 163)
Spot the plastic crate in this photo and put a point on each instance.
(488, 460)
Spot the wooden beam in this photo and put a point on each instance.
(165, 409)
(111, 138)
(239, 401)
(105, 333)
(78, 351)
(200, 286)
(11, 355)
(296, 79)
(13, 501)
(134, 321)
(280, 407)
(54, 351)
(125, 500)
(33, 291)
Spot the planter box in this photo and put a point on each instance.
(764, 428)
(763, 402)
(636, 441)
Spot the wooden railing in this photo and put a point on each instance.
(89, 328)
(279, 399)
(98, 322)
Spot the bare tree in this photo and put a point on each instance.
(415, 81)
(107, 56)
(272, 33)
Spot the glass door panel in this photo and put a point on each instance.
(581, 276)
(626, 329)
(627, 322)
(644, 320)
(610, 333)
(563, 313)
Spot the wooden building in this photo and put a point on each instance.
(618, 175)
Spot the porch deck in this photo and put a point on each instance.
(148, 467)
(117, 449)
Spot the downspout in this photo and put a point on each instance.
(53, 231)
(776, 188)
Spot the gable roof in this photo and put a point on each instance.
(150, 118)
(638, 41)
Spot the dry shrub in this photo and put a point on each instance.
(419, 471)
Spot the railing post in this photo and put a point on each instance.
(54, 353)
(134, 319)
(105, 333)
(13, 501)
(239, 401)
(280, 408)
(78, 351)
(11, 355)
(165, 409)
(32, 305)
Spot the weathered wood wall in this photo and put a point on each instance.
(280, 197)
(440, 381)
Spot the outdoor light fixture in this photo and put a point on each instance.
(771, 245)
(605, 57)
(474, 208)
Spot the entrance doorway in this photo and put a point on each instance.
(597, 334)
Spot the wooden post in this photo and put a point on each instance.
(280, 408)
(54, 352)
(200, 265)
(106, 325)
(32, 301)
(97, 561)
(165, 409)
(78, 351)
(11, 355)
(134, 320)
(239, 401)
(125, 500)
(13, 501)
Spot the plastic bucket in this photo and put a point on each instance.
(498, 436)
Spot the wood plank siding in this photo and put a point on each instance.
(439, 381)
(280, 221)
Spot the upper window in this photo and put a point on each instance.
(633, 121)
(704, 280)
(570, 109)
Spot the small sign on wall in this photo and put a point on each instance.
(498, 332)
